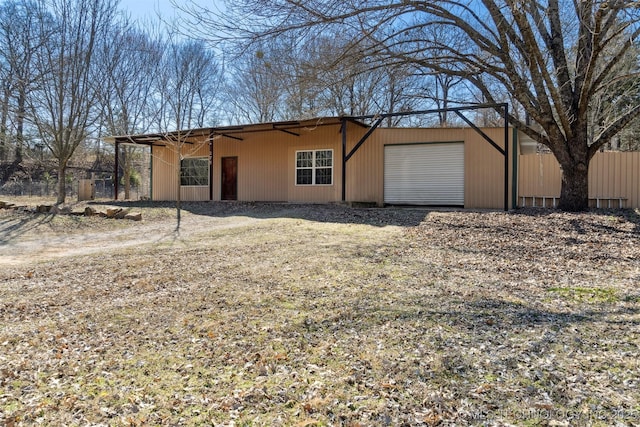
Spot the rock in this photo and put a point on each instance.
(136, 216)
(112, 212)
(89, 211)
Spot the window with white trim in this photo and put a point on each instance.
(314, 167)
(194, 172)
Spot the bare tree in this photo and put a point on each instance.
(301, 77)
(187, 90)
(553, 57)
(349, 83)
(255, 88)
(325, 75)
(20, 38)
(129, 62)
(63, 105)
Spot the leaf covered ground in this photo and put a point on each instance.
(293, 315)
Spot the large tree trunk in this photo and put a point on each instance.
(574, 194)
(573, 156)
(62, 189)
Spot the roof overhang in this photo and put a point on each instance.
(237, 133)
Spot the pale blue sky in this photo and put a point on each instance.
(148, 9)
(143, 9)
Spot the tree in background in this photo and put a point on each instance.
(256, 86)
(554, 58)
(286, 79)
(130, 60)
(63, 107)
(20, 38)
(186, 93)
(188, 84)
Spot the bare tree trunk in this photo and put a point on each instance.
(3, 126)
(127, 174)
(20, 125)
(62, 189)
(574, 193)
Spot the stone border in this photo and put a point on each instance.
(111, 213)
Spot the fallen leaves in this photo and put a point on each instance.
(325, 315)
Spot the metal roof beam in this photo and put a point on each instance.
(237, 138)
(276, 127)
(479, 131)
(364, 138)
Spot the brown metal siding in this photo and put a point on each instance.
(261, 165)
(484, 170)
(484, 165)
(266, 165)
(165, 172)
(612, 175)
(538, 176)
(324, 138)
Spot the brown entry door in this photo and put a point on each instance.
(229, 178)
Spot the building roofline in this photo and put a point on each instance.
(159, 138)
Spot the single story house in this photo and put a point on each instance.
(335, 159)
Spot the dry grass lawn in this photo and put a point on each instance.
(267, 315)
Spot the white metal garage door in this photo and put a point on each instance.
(424, 174)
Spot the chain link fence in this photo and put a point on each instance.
(22, 180)
(103, 189)
(30, 188)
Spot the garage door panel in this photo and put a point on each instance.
(424, 174)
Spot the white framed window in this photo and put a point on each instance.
(194, 172)
(314, 167)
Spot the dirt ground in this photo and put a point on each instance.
(33, 238)
(306, 315)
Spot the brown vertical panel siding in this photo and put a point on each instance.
(484, 169)
(599, 186)
(261, 165)
(539, 177)
(266, 164)
(164, 163)
(165, 171)
(194, 194)
(364, 172)
(612, 175)
(632, 181)
(322, 138)
(484, 165)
